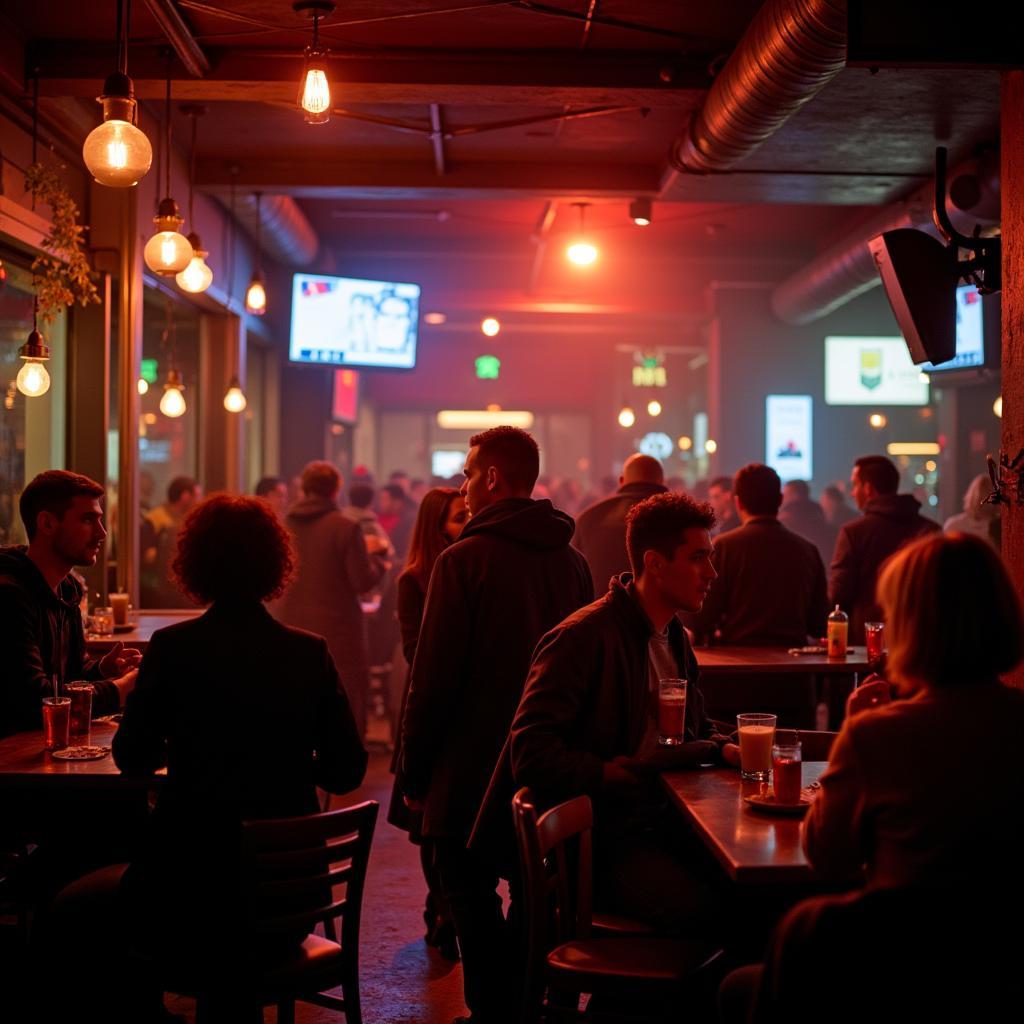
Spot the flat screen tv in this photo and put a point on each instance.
(346, 321)
(970, 334)
(872, 371)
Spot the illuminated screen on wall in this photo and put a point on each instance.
(447, 463)
(345, 407)
(351, 322)
(787, 436)
(871, 371)
(970, 333)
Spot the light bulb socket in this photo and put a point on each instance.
(197, 245)
(173, 381)
(168, 210)
(118, 98)
(314, 8)
(35, 348)
(640, 211)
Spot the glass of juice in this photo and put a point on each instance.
(786, 766)
(103, 621)
(56, 722)
(80, 694)
(874, 638)
(671, 711)
(121, 609)
(756, 735)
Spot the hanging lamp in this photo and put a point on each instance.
(117, 153)
(172, 401)
(234, 398)
(197, 276)
(33, 379)
(256, 293)
(581, 252)
(315, 91)
(168, 252)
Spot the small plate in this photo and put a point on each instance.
(80, 753)
(126, 627)
(767, 805)
(816, 649)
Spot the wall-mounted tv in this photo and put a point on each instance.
(346, 321)
(872, 371)
(970, 334)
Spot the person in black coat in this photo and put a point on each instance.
(586, 724)
(601, 528)
(510, 577)
(248, 716)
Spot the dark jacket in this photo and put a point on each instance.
(334, 569)
(493, 594)
(889, 522)
(249, 717)
(770, 587)
(806, 519)
(601, 532)
(587, 701)
(729, 522)
(41, 637)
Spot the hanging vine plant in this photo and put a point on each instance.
(61, 277)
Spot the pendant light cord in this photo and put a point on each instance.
(259, 234)
(192, 173)
(234, 229)
(167, 112)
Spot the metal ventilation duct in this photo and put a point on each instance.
(847, 269)
(790, 51)
(286, 233)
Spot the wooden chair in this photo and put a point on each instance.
(291, 866)
(816, 744)
(564, 956)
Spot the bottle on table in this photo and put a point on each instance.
(838, 626)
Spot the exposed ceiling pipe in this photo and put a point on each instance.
(847, 269)
(790, 51)
(286, 233)
(173, 25)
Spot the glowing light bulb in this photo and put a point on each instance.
(234, 399)
(117, 153)
(710, 446)
(197, 276)
(654, 407)
(490, 326)
(142, 385)
(256, 297)
(685, 443)
(626, 417)
(168, 252)
(877, 420)
(997, 407)
(172, 404)
(33, 379)
(581, 253)
(316, 94)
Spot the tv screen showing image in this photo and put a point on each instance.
(345, 321)
(970, 333)
(872, 371)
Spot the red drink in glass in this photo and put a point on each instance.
(874, 639)
(787, 779)
(56, 722)
(671, 711)
(80, 694)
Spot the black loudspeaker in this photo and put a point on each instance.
(920, 276)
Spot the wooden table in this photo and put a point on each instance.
(147, 623)
(25, 765)
(753, 848)
(775, 661)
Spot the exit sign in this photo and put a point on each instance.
(650, 377)
(488, 367)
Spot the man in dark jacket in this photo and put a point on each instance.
(510, 577)
(720, 497)
(889, 521)
(587, 720)
(601, 528)
(806, 518)
(41, 633)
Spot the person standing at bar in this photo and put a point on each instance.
(511, 577)
(41, 634)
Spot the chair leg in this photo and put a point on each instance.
(286, 1012)
(350, 991)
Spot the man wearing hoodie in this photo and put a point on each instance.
(334, 569)
(889, 521)
(41, 633)
(510, 577)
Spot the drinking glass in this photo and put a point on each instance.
(756, 734)
(786, 766)
(56, 721)
(103, 621)
(80, 693)
(671, 711)
(121, 608)
(874, 638)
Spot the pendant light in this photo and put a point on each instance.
(234, 399)
(33, 379)
(168, 252)
(117, 153)
(172, 401)
(581, 252)
(197, 276)
(256, 294)
(315, 92)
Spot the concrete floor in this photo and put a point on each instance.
(404, 981)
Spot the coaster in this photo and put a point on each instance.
(768, 805)
(80, 753)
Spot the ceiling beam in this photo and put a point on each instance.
(316, 176)
(531, 78)
(179, 35)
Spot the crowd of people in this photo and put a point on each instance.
(534, 644)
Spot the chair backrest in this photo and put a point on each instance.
(816, 744)
(293, 865)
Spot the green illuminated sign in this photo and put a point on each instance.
(148, 371)
(488, 367)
